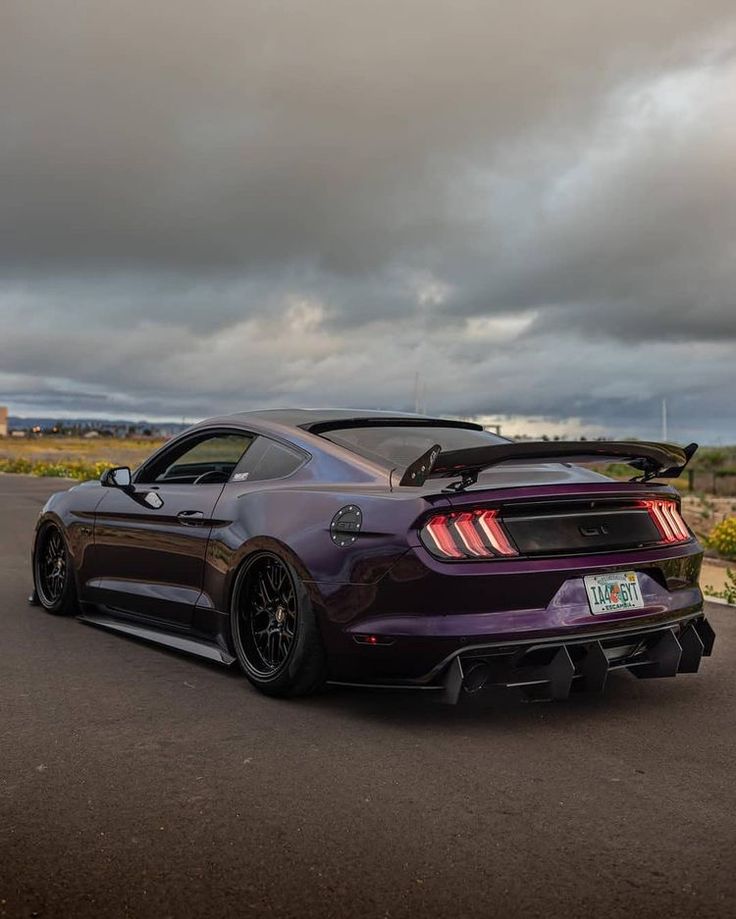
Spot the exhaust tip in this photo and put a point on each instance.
(476, 677)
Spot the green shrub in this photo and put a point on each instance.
(722, 538)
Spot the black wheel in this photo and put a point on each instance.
(274, 630)
(53, 577)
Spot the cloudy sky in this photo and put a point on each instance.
(217, 206)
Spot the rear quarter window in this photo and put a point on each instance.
(268, 459)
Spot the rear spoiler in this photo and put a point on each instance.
(654, 460)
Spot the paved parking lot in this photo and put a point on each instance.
(138, 782)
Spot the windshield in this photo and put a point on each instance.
(398, 445)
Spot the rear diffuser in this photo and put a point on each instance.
(551, 672)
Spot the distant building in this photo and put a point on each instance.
(3, 421)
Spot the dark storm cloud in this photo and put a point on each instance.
(245, 132)
(239, 203)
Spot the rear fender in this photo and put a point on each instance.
(297, 524)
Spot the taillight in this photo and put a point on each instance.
(471, 534)
(666, 517)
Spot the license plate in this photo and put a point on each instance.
(610, 593)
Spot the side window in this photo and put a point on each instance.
(205, 460)
(268, 460)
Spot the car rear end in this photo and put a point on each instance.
(520, 566)
(548, 588)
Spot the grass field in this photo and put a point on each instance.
(72, 457)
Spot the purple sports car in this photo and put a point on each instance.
(386, 550)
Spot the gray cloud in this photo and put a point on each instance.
(243, 204)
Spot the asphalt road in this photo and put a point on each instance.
(138, 782)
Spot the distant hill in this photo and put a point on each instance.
(16, 422)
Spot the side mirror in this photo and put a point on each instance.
(119, 477)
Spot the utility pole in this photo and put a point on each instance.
(664, 420)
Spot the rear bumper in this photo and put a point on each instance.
(422, 615)
(552, 669)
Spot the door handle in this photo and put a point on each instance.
(190, 516)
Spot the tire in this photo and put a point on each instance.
(53, 575)
(274, 630)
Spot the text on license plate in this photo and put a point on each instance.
(609, 593)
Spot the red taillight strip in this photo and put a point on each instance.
(681, 522)
(676, 522)
(469, 535)
(667, 519)
(495, 534)
(656, 518)
(667, 531)
(440, 535)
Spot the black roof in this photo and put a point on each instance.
(319, 420)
